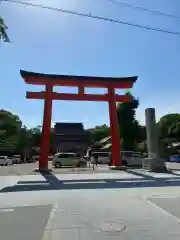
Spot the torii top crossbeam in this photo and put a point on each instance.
(71, 80)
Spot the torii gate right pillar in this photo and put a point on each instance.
(116, 155)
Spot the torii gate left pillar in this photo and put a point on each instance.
(46, 129)
(81, 82)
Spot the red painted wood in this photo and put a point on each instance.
(116, 155)
(88, 83)
(78, 97)
(81, 90)
(46, 128)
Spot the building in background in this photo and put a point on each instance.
(70, 137)
(104, 145)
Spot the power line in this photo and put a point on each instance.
(144, 9)
(90, 15)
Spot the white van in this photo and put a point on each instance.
(5, 161)
(16, 159)
(102, 157)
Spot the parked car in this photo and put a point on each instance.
(5, 161)
(16, 159)
(67, 159)
(30, 159)
(50, 158)
(100, 157)
(175, 158)
(124, 161)
(35, 158)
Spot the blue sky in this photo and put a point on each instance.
(52, 42)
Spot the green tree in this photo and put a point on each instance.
(52, 139)
(24, 144)
(168, 125)
(3, 31)
(174, 131)
(141, 133)
(10, 127)
(10, 123)
(128, 125)
(35, 135)
(97, 133)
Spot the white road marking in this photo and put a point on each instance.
(162, 210)
(156, 175)
(52, 214)
(7, 210)
(163, 197)
(135, 181)
(50, 222)
(34, 184)
(94, 176)
(47, 235)
(161, 175)
(177, 172)
(173, 180)
(84, 182)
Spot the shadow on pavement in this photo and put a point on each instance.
(53, 183)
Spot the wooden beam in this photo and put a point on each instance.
(78, 97)
(81, 90)
(76, 83)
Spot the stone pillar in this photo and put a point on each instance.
(154, 162)
(151, 133)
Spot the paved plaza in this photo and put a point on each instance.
(100, 204)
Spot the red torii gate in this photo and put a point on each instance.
(81, 82)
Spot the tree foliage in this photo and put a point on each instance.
(97, 133)
(10, 127)
(128, 125)
(35, 136)
(174, 130)
(169, 126)
(3, 31)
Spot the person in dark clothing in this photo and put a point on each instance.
(124, 162)
(110, 159)
(96, 159)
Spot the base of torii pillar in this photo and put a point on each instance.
(118, 168)
(43, 170)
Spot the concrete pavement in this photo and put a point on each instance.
(24, 222)
(30, 209)
(28, 169)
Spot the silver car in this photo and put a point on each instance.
(67, 159)
(5, 161)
